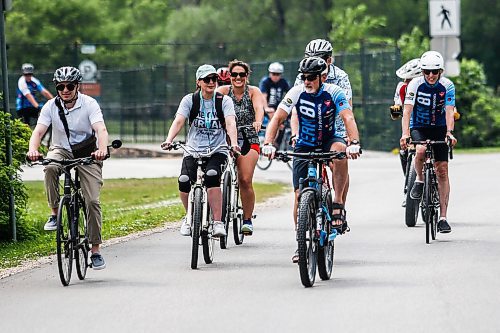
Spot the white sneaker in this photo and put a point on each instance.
(219, 229)
(185, 227)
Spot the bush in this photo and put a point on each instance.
(20, 139)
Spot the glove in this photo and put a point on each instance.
(268, 150)
(353, 150)
(456, 115)
(166, 145)
(396, 111)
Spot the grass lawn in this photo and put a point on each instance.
(128, 206)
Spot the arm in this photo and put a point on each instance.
(231, 130)
(278, 119)
(294, 125)
(352, 132)
(36, 138)
(102, 139)
(405, 125)
(47, 94)
(450, 124)
(258, 106)
(32, 100)
(175, 128)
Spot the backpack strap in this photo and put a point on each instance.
(195, 109)
(61, 115)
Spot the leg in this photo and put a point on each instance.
(212, 182)
(443, 186)
(91, 183)
(186, 178)
(246, 167)
(340, 180)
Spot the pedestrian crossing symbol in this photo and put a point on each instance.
(444, 17)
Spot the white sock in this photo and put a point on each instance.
(442, 218)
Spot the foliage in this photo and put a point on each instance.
(479, 125)
(413, 45)
(20, 134)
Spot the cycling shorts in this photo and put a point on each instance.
(433, 133)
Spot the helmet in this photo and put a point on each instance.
(431, 60)
(313, 65)
(318, 48)
(410, 70)
(275, 67)
(224, 77)
(27, 68)
(67, 74)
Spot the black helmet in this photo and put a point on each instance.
(67, 74)
(312, 65)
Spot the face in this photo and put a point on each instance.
(432, 76)
(208, 83)
(28, 77)
(67, 90)
(275, 77)
(311, 82)
(238, 76)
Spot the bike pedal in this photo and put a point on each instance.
(247, 233)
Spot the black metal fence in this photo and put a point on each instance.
(139, 104)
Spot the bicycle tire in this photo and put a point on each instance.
(307, 248)
(226, 208)
(427, 213)
(327, 251)
(196, 225)
(263, 163)
(82, 250)
(64, 242)
(435, 203)
(412, 205)
(238, 220)
(207, 241)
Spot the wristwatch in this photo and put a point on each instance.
(450, 131)
(354, 142)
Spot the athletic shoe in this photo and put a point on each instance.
(185, 227)
(97, 261)
(416, 190)
(247, 227)
(51, 223)
(219, 229)
(443, 226)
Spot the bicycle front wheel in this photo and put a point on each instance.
(238, 220)
(207, 241)
(307, 246)
(327, 251)
(196, 225)
(83, 247)
(263, 162)
(64, 241)
(226, 208)
(427, 206)
(412, 205)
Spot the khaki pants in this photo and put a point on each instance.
(91, 183)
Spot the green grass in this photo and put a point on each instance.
(482, 150)
(128, 205)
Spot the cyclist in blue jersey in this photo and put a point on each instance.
(318, 104)
(428, 114)
(28, 87)
(323, 49)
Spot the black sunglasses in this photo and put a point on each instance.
(240, 74)
(212, 78)
(69, 86)
(309, 78)
(433, 71)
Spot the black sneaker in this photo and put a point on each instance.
(97, 261)
(443, 227)
(416, 190)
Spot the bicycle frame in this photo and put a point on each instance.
(233, 171)
(200, 174)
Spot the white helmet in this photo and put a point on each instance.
(67, 73)
(431, 60)
(275, 67)
(410, 70)
(318, 48)
(27, 68)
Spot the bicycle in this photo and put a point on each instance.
(199, 212)
(315, 233)
(411, 205)
(430, 200)
(263, 163)
(71, 234)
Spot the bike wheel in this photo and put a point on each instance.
(238, 220)
(412, 205)
(196, 225)
(83, 247)
(435, 210)
(64, 242)
(307, 246)
(327, 251)
(263, 162)
(207, 241)
(427, 206)
(226, 208)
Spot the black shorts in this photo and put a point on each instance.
(433, 133)
(27, 114)
(215, 162)
(300, 165)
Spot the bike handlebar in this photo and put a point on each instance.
(315, 156)
(433, 143)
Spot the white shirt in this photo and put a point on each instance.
(80, 118)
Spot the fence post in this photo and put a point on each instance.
(364, 88)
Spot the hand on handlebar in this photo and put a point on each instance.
(33, 155)
(452, 141)
(236, 150)
(268, 150)
(353, 151)
(404, 141)
(167, 145)
(100, 155)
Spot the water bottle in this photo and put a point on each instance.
(332, 236)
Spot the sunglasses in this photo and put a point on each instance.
(69, 86)
(275, 74)
(309, 78)
(240, 74)
(212, 78)
(433, 71)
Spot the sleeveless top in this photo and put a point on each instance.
(245, 115)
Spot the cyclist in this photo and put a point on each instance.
(323, 49)
(428, 114)
(84, 118)
(28, 86)
(211, 115)
(224, 77)
(318, 104)
(248, 104)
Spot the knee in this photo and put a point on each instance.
(184, 183)
(245, 182)
(93, 203)
(442, 172)
(212, 178)
(51, 171)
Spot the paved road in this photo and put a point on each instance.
(386, 279)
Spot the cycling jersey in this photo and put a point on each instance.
(340, 78)
(429, 101)
(316, 112)
(398, 98)
(24, 88)
(274, 90)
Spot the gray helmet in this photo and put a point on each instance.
(318, 48)
(313, 65)
(67, 74)
(27, 68)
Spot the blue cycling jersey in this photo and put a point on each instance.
(316, 112)
(23, 88)
(429, 102)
